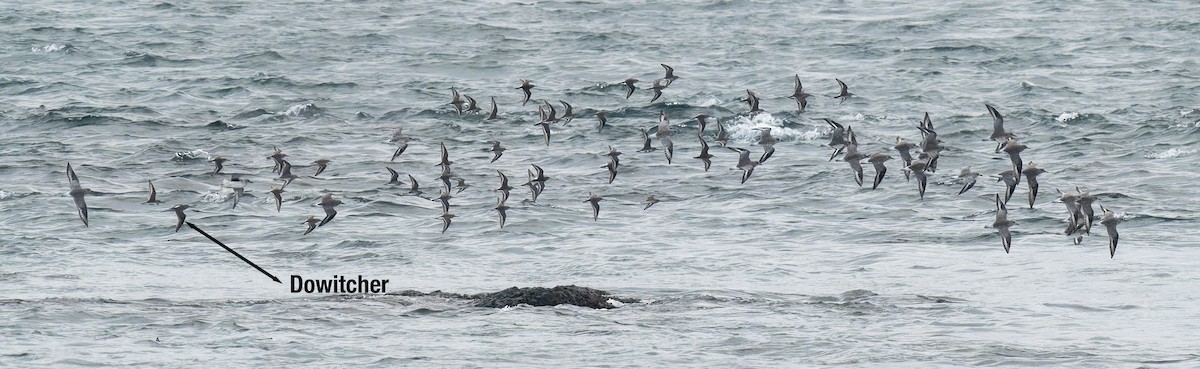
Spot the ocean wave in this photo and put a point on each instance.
(251, 114)
(141, 59)
(222, 125)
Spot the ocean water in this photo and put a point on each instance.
(798, 267)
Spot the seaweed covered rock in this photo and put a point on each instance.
(541, 296)
(533, 296)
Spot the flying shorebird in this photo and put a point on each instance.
(657, 88)
(1011, 179)
(668, 147)
(502, 209)
(497, 149)
(401, 145)
(1002, 223)
(393, 176)
(1014, 149)
(398, 136)
(178, 209)
(744, 163)
(664, 126)
(538, 174)
(460, 185)
(525, 88)
(602, 116)
(414, 187)
(549, 113)
(614, 155)
(1110, 221)
(844, 92)
(998, 133)
(457, 101)
(321, 164)
(328, 203)
(545, 131)
(277, 192)
(1031, 172)
(238, 186)
(445, 158)
(612, 170)
(537, 181)
(930, 144)
(877, 160)
(277, 156)
(722, 134)
(504, 187)
(969, 178)
(752, 100)
(1074, 215)
(925, 124)
(444, 198)
(568, 112)
(650, 201)
(77, 193)
(535, 189)
(1085, 201)
(218, 164)
(931, 157)
(472, 106)
(904, 147)
(595, 200)
(446, 221)
(929, 136)
(767, 142)
(646, 143)
(702, 119)
(493, 112)
(153, 194)
(629, 87)
(853, 157)
(670, 74)
(704, 155)
(918, 169)
(312, 224)
(800, 96)
(285, 173)
(445, 177)
(837, 137)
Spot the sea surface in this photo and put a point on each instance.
(797, 267)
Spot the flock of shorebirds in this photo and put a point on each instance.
(843, 142)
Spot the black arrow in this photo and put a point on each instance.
(214, 240)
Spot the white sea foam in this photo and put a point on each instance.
(306, 110)
(193, 154)
(1066, 117)
(742, 129)
(1169, 154)
(52, 48)
(710, 102)
(217, 196)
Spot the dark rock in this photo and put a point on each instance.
(532, 296)
(541, 296)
